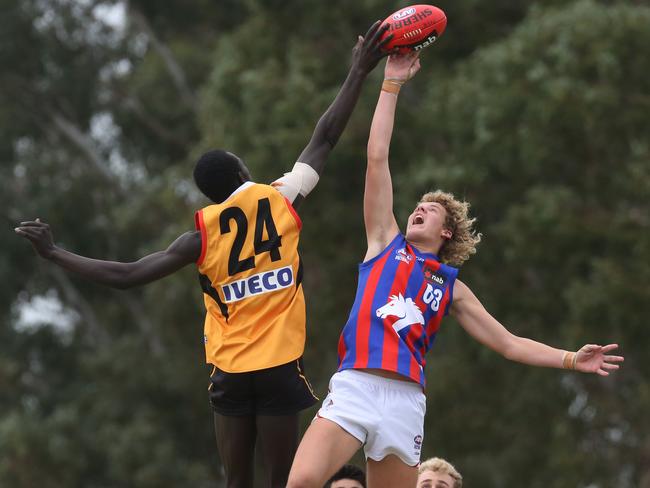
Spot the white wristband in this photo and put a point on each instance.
(301, 180)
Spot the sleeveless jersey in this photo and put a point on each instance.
(402, 296)
(251, 276)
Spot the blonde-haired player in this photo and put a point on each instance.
(406, 285)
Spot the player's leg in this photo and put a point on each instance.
(324, 448)
(233, 402)
(393, 450)
(340, 428)
(281, 392)
(390, 472)
(236, 444)
(277, 444)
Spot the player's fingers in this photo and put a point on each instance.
(27, 233)
(393, 54)
(33, 223)
(412, 70)
(372, 31)
(602, 372)
(385, 41)
(610, 347)
(380, 30)
(589, 348)
(609, 366)
(29, 229)
(376, 36)
(614, 359)
(34, 231)
(412, 56)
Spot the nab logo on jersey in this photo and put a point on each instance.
(258, 284)
(432, 277)
(405, 309)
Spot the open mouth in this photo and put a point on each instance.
(418, 220)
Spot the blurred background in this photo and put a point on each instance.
(536, 112)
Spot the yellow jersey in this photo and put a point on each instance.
(251, 276)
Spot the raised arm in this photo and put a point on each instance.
(476, 320)
(365, 55)
(380, 222)
(184, 250)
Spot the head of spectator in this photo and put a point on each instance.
(349, 476)
(438, 473)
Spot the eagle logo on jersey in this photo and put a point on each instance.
(405, 309)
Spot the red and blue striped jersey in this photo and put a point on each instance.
(402, 296)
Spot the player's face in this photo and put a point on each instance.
(346, 483)
(427, 222)
(429, 479)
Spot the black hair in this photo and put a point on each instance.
(348, 472)
(217, 174)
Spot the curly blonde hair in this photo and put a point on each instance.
(464, 237)
(439, 465)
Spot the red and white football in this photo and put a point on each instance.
(414, 27)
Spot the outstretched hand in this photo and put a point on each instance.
(39, 234)
(369, 48)
(402, 67)
(593, 358)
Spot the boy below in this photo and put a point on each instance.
(438, 473)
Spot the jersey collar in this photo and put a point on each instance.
(422, 254)
(241, 187)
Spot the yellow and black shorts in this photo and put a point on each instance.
(281, 390)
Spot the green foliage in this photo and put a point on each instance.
(537, 115)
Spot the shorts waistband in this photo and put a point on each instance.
(379, 381)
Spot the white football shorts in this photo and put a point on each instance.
(386, 415)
